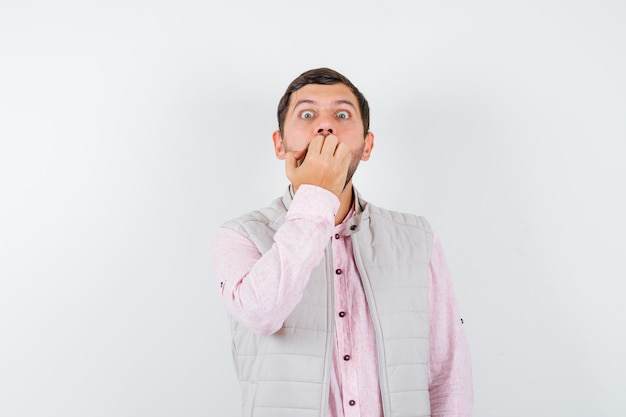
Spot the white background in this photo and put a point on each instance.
(129, 130)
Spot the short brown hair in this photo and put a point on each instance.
(324, 76)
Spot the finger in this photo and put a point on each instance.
(291, 162)
(299, 155)
(341, 151)
(330, 145)
(315, 146)
(342, 155)
(346, 160)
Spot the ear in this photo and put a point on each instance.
(279, 147)
(367, 148)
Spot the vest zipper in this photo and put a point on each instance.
(382, 363)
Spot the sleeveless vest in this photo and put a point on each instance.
(287, 374)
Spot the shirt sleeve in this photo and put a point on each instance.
(260, 291)
(450, 373)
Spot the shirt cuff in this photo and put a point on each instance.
(312, 201)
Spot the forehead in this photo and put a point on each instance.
(323, 94)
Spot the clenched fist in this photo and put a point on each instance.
(325, 163)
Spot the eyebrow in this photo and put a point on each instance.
(334, 103)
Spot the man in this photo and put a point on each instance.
(338, 307)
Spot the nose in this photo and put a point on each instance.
(324, 123)
(325, 132)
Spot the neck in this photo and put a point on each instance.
(345, 203)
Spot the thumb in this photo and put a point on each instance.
(291, 162)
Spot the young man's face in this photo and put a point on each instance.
(318, 109)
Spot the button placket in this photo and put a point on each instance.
(343, 326)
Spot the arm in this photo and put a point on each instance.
(261, 291)
(450, 373)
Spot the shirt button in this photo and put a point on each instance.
(337, 235)
(342, 314)
(346, 358)
(351, 402)
(338, 271)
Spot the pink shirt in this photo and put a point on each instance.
(261, 291)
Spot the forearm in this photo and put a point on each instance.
(450, 382)
(260, 291)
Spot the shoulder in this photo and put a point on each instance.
(272, 214)
(398, 235)
(397, 218)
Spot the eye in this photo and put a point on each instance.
(307, 114)
(343, 114)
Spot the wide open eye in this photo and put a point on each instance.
(307, 114)
(343, 114)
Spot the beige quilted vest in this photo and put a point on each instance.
(287, 374)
